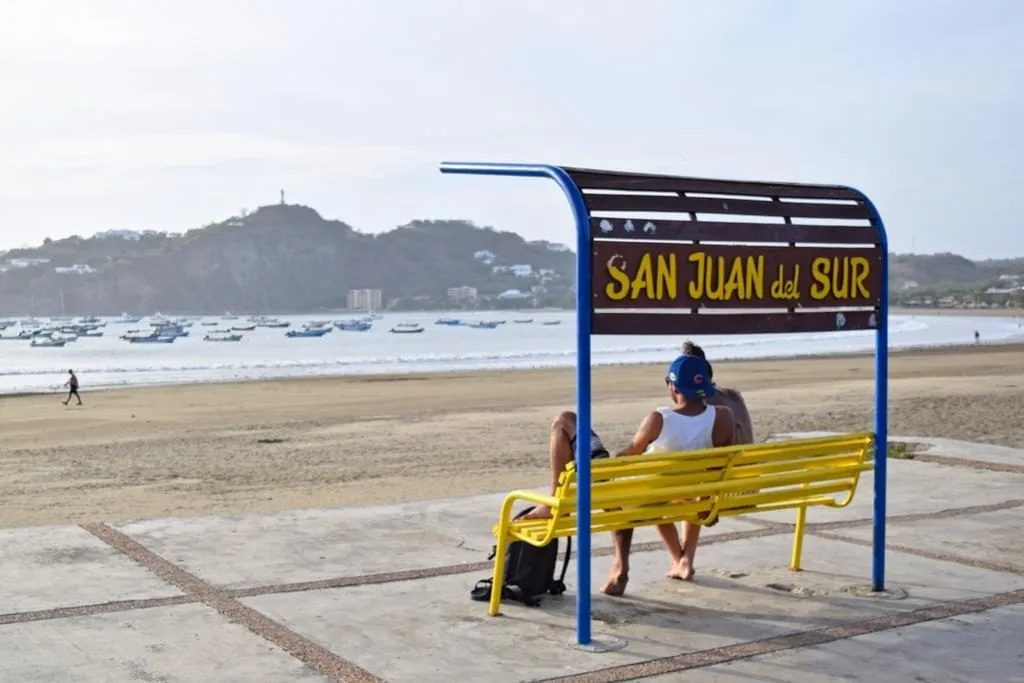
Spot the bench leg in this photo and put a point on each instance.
(798, 539)
(498, 580)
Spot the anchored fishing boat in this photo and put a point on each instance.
(308, 332)
(406, 328)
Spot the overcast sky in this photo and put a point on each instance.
(166, 115)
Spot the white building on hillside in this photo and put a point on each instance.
(130, 235)
(76, 269)
(484, 256)
(461, 294)
(513, 294)
(364, 299)
(26, 262)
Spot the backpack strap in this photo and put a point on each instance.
(558, 585)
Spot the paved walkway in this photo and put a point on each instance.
(381, 593)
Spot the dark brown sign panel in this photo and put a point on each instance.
(647, 275)
(732, 322)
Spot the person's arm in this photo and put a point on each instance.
(648, 431)
(723, 433)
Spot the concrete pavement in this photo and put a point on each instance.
(381, 593)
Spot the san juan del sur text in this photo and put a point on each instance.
(785, 276)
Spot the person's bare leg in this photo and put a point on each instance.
(683, 569)
(622, 541)
(563, 429)
(670, 537)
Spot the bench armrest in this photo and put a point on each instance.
(505, 520)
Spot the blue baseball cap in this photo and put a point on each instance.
(691, 377)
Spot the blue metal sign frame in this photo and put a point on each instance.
(581, 217)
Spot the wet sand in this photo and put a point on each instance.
(273, 445)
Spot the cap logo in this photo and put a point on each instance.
(698, 379)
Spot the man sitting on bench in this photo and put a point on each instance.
(689, 424)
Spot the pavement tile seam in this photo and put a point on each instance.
(894, 519)
(942, 557)
(791, 641)
(431, 572)
(324, 584)
(319, 658)
(96, 608)
(768, 528)
(969, 463)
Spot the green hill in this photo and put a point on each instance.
(280, 258)
(949, 271)
(287, 258)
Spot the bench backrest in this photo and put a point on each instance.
(723, 481)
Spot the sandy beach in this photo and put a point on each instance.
(264, 446)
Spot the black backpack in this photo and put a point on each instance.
(529, 572)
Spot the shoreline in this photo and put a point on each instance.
(357, 378)
(37, 384)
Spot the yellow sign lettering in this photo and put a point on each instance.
(741, 279)
(840, 277)
(617, 289)
(720, 275)
(654, 280)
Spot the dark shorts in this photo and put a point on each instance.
(597, 449)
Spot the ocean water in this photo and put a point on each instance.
(266, 353)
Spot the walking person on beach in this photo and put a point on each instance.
(72, 385)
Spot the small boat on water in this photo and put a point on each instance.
(49, 342)
(308, 332)
(406, 328)
(209, 323)
(451, 322)
(525, 321)
(223, 336)
(353, 325)
(483, 325)
(151, 340)
(552, 322)
(243, 328)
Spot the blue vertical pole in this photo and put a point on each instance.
(881, 411)
(583, 421)
(583, 309)
(881, 432)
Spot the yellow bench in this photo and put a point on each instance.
(698, 486)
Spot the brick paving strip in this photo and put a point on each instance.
(225, 601)
(790, 641)
(303, 649)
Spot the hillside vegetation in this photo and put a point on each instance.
(280, 258)
(287, 258)
(949, 270)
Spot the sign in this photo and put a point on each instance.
(653, 275)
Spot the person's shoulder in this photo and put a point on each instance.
(731, 394)
(724, 413)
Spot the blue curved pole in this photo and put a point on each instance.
(583, 419)
(881, 406)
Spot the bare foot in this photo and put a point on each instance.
(616, 584)
(681, 571)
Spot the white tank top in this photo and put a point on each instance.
(684, 432)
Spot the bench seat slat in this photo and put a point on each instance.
(657, 488)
